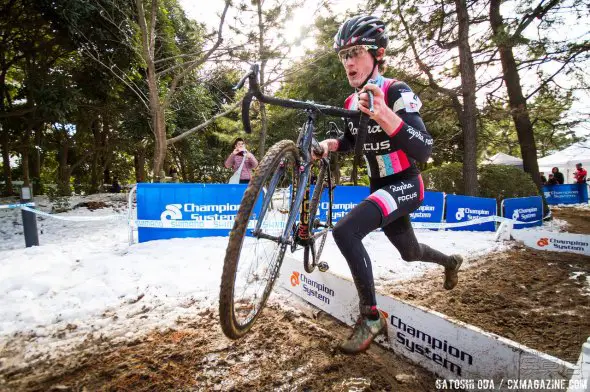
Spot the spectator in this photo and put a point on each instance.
(242, 162)
(115, 187)
(552, 180)
(543, 179)
(558, 175)
(580, 174)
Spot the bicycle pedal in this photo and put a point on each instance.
(323, 266)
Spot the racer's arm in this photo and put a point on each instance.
(404, 124)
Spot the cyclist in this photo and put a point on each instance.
(396, 140)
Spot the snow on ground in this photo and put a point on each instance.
(85, 278)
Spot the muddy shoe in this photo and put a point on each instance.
(451, 277)
(363, 334)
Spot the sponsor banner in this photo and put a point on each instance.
(345, 199)
(466, 208)
(557, 242)
(331, 293)
(190, 203)
(449, 348)
(566, 194)
(432, 208)
(524, 209)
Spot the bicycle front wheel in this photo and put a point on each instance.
(252, 260)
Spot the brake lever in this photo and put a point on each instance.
(334, 131)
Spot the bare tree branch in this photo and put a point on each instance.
(194, 64)
(203, 125)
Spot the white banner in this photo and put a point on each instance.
(449, 348)
(557, 242)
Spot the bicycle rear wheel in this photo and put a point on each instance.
(313, 252)
(252, 263)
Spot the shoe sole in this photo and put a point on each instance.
(457, 267)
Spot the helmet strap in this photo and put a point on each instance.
(370, 74)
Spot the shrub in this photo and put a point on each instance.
(503, 182)
(447, 178)
(496, 181)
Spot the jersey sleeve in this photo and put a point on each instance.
(411, 135)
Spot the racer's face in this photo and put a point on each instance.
(358, 64)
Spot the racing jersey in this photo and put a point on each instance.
(391, 158)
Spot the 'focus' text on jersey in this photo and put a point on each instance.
(391, 156)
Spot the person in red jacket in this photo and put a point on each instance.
(580, 177)
(580, 174)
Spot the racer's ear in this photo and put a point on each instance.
(380, 53)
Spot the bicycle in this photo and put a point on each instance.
(266, 223)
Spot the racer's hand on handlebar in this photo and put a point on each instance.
(379, 106)
(325, 149)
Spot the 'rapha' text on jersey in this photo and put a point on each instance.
(391, 157)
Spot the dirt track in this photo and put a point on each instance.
(286, 351)
(540, 299)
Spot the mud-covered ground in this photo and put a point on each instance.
(578, 219)
(533, 297)
(540, 299)
(287, 350)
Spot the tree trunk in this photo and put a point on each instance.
(25, 157)
(335, 168)
(469, 113)
(262, 54)
(64, 168)
(5, 144)
(95, 164)
(160, 144)
(35, 158)
(139, 162)
(516, 99)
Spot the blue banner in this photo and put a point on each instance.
(216, 203)
(345, 199)
(465, 208)
(524, 209)
(566, 193)
(432, 208)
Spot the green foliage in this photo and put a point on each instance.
(59, 203)
(502, 182)
(446, 178)
(548, 112)
(497, 181)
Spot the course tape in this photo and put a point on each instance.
(16, 205)
(76, 218)
(228, 223)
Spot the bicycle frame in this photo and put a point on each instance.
(306, 139)
(307, 142)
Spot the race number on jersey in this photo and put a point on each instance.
(408, 101)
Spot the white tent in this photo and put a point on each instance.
(566, 160)
(503, 159)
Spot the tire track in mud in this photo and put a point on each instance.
(287, 350)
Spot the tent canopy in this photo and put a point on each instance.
(566, 159)
(503, 159)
